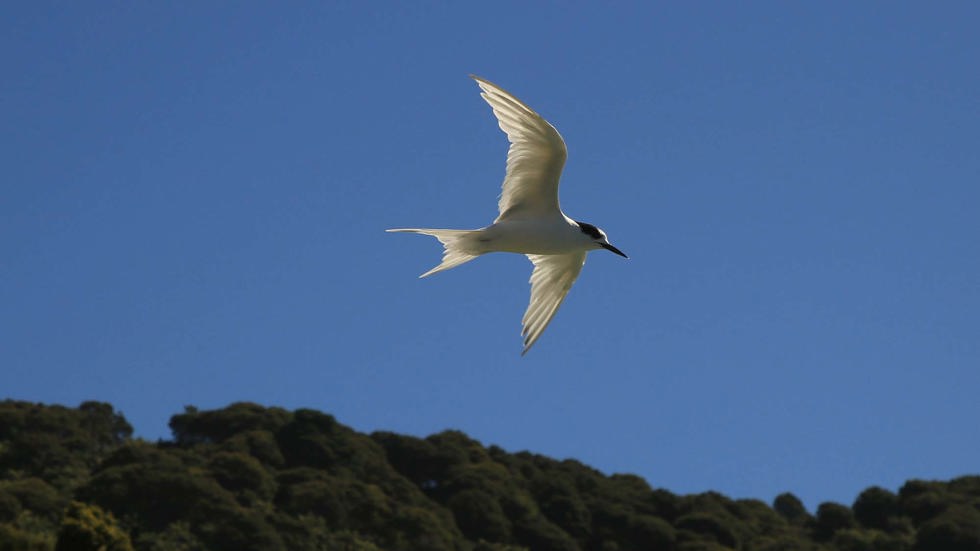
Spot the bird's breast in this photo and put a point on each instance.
(532, 237)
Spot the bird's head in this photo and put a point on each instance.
(598, 237)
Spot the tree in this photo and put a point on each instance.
(176, 537)
(87, 527)
(195, 426)
(9, 506)
(250, 478)
(874, 507)
(414, 458)
(712, 525)
(13, 538)
(790, 507)
(242, 475)
(37, 496)
(108, 428)
(56, 443)
(832, 517)
(479, 515)
(956, 529)
(922, 500)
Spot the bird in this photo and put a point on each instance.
(530, 219)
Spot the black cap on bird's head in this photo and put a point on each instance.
(599, 237)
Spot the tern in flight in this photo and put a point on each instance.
(531, 221)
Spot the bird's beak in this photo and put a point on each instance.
(610, 248)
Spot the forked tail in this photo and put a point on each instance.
(457, 244)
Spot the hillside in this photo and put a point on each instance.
(248, 477)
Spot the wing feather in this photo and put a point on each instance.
(551, 280)
(534, 162)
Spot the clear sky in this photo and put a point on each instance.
(193, 200)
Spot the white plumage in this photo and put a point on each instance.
(530, 219)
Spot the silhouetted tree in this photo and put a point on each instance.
(874, 507)
(193, 426)
(252, 478)
(58, 444)
(956, 529)
(711, 525)
(922, 500)
(832, 517)
(790, 507)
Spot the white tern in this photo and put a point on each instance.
(530, 222)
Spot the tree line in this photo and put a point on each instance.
(248, 477)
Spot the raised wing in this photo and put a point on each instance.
(535, 159)
(551, 279)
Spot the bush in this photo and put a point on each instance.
(88, 528)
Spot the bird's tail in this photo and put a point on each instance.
(458, 246)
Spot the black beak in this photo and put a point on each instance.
(610, 248)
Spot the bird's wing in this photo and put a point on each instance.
(551, 279)
(535, 159)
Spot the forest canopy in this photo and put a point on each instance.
(248, 477)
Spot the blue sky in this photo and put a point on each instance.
(194, 198)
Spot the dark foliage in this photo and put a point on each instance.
(57, 444)
(89, 528)
(876, 507)
(791, 508)
(832, 518)
(248, 477)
